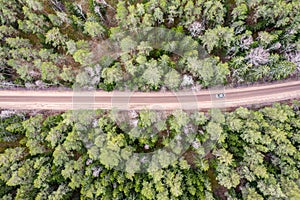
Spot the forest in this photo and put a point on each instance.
(149, 45)
(243, 154)
(57, 43)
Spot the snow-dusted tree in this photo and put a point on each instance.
(187, 81)
(246, 41)
(258, 56)
(294, 57)
(196, 28)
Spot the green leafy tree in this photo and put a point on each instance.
(178, 121)
(172, 80)
(152, 77)
(282, 70)
(67, 74)
(147, 118)
(62, 192)
(9, 11)
(83, 56)
(112, 75)
(148, 191)
(55, 38)
(60, 156)
(94, 29)
(218, 37)
(50, 72)
(33, 23)
(128, 44)
(214, 11)
(18, 43)
(215, 131)
(34, 5)
(250, 194)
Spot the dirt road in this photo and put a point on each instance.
(202, 100)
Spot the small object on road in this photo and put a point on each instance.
(220, 95)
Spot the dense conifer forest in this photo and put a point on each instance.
(155, 45)
(244, 154)
(59, 43)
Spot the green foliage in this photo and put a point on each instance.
(178, 121)
(49, 72)
(255, 154)
(82, 56)
(18, 43)
(80, 153)
(93, 29)
(9, 11)
(214, 11)
(112, 75)
(10, 126)
(260, 150)
(172, 80)
(33, 22)
(233, 33)
(217, 37)
(152, 75)
(55, 38)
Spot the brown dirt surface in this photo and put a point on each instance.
(188, 100)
